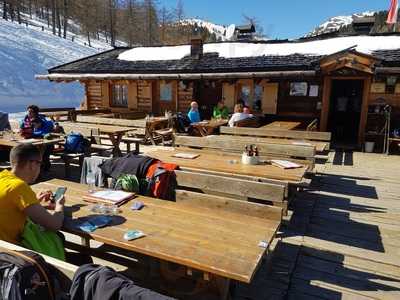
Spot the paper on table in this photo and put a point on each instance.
(114, 196)
(186, 155)
(301, 143)
(27, 141)
(285, 164)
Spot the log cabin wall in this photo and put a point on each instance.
(144, 95)
(185, 96)
(94, 95)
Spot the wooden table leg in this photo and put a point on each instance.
(223, 285)
(116, 140)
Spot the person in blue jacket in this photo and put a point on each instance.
(193, 113)
(35, 125)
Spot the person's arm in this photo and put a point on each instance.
(232, 120)
(39, 215)
(215, 112)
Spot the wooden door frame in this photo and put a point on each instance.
(326, 99)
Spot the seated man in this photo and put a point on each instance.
(18, 201)
(221, 111)
(193, 113)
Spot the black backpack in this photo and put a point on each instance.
(26, 275)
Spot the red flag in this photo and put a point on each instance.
(392, 15)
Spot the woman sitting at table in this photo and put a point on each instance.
(238, 115)
(193, 113)
(35, 125)
(221, 111)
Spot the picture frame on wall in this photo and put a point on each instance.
(298, 89)
(314, 90)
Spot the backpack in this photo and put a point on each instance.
(26, 275)
(76, 143)
(182, 123)
(161, 181)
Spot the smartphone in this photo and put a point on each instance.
(59, 193)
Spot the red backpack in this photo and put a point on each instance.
(162, 180)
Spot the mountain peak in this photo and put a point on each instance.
(336, 23)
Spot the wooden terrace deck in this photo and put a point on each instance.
(342, 241)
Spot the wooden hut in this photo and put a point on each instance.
(337, 80)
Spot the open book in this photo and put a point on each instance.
(285, 164)
(109, 197)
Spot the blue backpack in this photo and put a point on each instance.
(75, 143)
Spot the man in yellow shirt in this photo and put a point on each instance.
(18, 201)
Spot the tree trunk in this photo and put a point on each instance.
(111, 8)
(5, 17)
(58, 21)
(65, 18)
(53, 16)
(19, 12)
(88, 38)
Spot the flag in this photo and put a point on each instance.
(392, 15)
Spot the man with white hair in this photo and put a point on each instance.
(193, 113)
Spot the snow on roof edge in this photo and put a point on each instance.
(365, 44)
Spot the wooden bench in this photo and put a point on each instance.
(132, 140)
(66, 268)
(298, 153)
(240, 189)
(279, 133)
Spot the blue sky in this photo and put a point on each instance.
(279, 18)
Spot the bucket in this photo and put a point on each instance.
(369, 147)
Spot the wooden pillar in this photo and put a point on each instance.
(364, 110)
(325, 103)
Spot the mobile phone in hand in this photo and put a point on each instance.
(59, 193)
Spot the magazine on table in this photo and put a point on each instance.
(109, 197)
(285, 164)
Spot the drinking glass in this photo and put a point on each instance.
(91, 181)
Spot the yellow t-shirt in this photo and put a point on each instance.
(15, 196)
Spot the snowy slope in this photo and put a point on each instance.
(335, 23)
(223, 33)
(27, 51)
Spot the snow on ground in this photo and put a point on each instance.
(27, 51)
(365, 44)
(335, 23)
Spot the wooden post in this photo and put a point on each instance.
(325, 103)
(364, 110)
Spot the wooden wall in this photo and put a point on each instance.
(298, 105)
(94, 94)
(185, 96)
(144, 95)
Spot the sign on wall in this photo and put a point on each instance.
(378, 87)
(298, 88)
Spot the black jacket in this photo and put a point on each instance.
(96, 282)
(129, 164)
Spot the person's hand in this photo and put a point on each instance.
(60, 201)
(45, 196)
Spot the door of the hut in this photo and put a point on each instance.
(207, 94)
(345, 110)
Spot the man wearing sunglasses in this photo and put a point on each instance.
(17, 199)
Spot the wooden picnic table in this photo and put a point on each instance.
(218, 242)
(228, 164)
(282, 125)
(37, 142)
(115, 133)
(319, 146)
(208, 127)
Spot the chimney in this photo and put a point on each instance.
(196, 48)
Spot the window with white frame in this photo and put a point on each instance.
(166, 92)
(119, 95)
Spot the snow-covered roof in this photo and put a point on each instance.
(364, 44)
